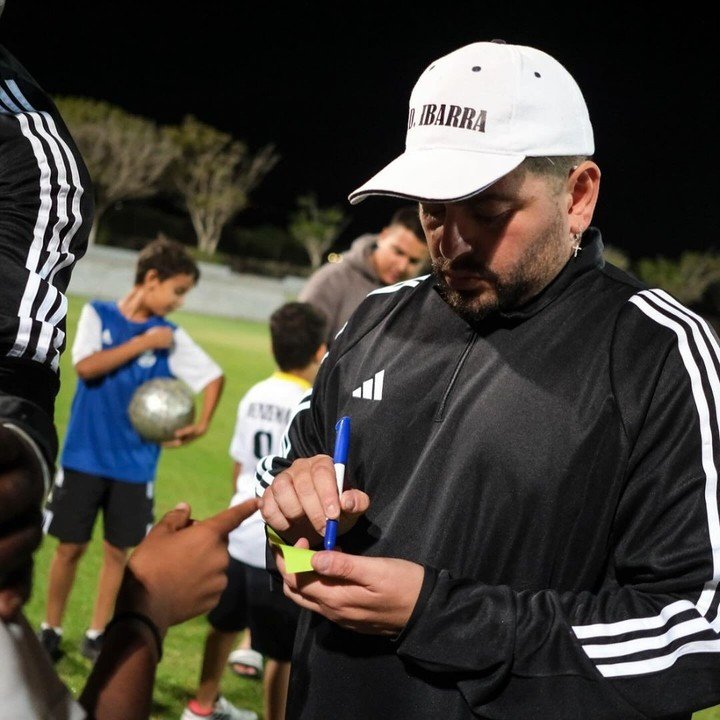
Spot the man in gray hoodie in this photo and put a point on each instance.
(374, 260)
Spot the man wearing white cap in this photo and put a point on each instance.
(529, 521)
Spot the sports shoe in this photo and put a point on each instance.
(90, 647)
(50, 640)
(222, 710)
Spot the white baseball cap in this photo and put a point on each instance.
(475, 115)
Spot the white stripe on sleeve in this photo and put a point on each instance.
(694, 632)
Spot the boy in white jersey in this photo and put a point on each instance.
(105, 463)
(297, 331)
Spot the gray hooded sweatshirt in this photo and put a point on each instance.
(336, 289)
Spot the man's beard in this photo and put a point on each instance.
(506, 294)
(542, 261)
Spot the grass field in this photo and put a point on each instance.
(200, 474)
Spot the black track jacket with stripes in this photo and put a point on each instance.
(555, 472)
(46, 212)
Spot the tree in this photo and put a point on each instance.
(214, 174)
(315, 228)
(126, 155)
(685, 279)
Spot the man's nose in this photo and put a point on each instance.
(452, 239)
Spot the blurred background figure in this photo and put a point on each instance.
(297, 333)
(396, 253)
(106, 464)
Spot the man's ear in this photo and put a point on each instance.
(583, 186)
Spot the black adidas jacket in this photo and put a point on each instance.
(555, 471)
(46, 211)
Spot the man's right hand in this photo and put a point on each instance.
(302, 498)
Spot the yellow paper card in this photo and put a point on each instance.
(297, 560)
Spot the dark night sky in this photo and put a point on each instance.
(329, 84)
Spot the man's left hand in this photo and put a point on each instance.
(372, 595)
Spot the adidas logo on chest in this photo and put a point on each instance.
(371, 389)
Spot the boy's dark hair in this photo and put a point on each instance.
(168, 258)
(297, 330)
(409, 217)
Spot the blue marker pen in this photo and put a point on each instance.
(340, 455)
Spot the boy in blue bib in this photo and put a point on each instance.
(105, 464)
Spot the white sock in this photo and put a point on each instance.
(93, 634)
(45, 626)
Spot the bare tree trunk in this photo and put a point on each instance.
(213, 241)
(198, 227)
(315, 256)
(92, 236)
(208, 240)
(207, 231)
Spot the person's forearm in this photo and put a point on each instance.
(121, 683)
(211, 398)
(503, 646)
(104, 361)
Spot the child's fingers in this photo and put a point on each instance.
(227, 520)
(176, 519)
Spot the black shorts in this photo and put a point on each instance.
(77, 498)
(249, 602)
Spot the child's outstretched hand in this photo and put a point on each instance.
(178, 570)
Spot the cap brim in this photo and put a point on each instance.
(437, 175)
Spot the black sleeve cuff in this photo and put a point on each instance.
(428, 583)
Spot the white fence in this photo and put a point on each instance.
(107, 273)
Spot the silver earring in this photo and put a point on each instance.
(576, 247)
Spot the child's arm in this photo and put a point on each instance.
(102, 362)
(189, 362)
(211, 396)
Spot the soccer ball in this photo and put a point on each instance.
(159, 407)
